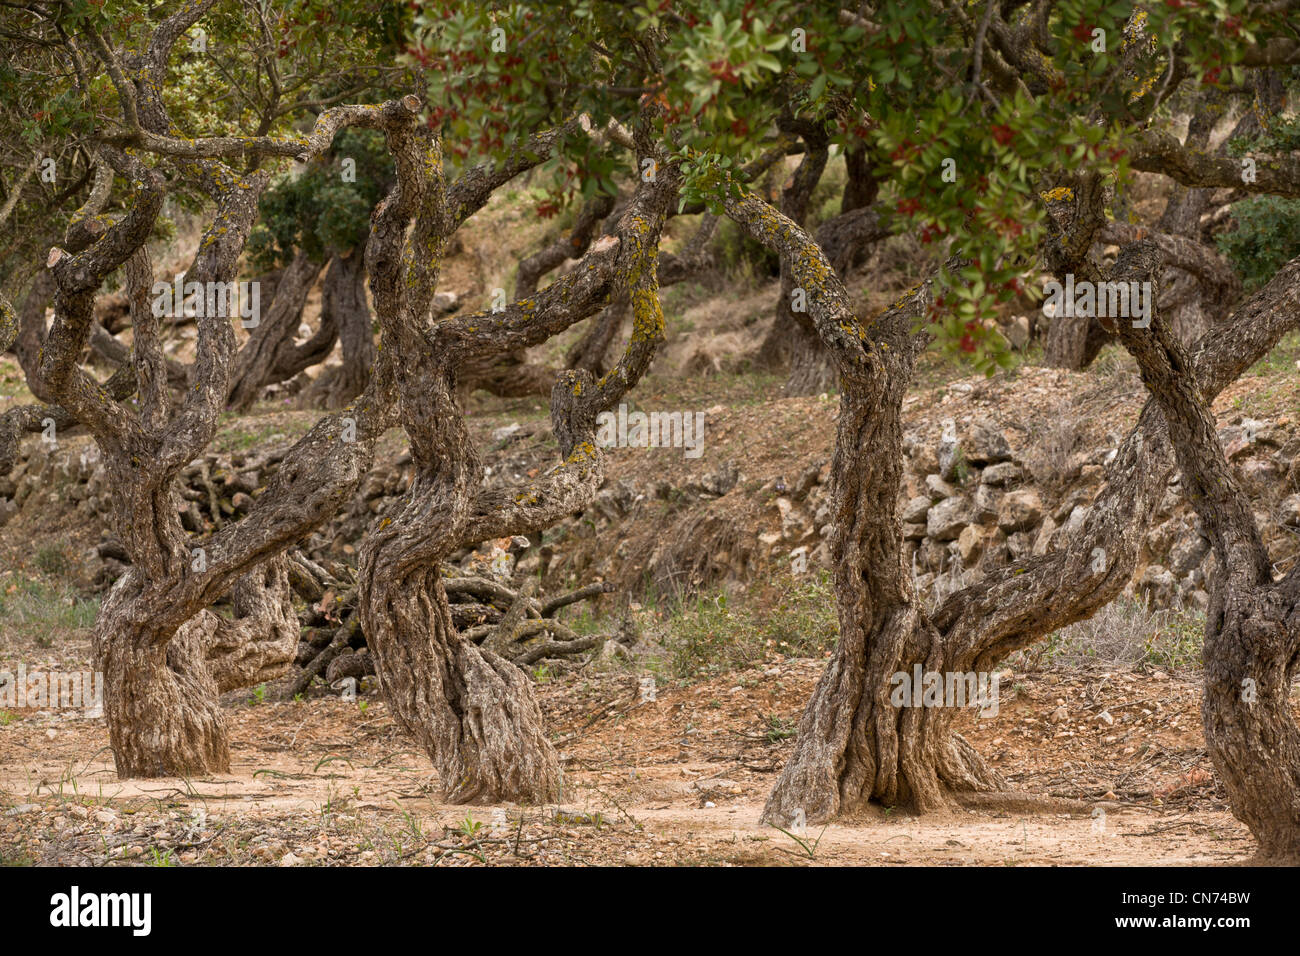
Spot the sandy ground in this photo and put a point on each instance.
(677, 780)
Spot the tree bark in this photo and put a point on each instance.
(255, 365)
(854, 745)
(777, 348)
(591, 352)
(471, 710)
(1073, 342)
(1252, 631)
(166, 656)
(161, 685)
(344, 310)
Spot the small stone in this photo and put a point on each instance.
(915, 509)
(1059, 715)
(938, 489)
(987, 501)
(986, 444)
(1001, 473)
(945, 521)
(970, 543)
(1289, 511)
(1020, 510)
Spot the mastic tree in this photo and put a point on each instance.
(317, 219)
(1005, 135)
(262, 67)
(165, 654)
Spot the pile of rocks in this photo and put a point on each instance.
(970, 503)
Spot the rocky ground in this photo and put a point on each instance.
(1111, 762)
(996, 469)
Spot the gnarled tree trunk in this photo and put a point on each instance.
(255, 365)
(344, 311)
(472, 711)
(161, 685)
(1252, 629)
(854, 744)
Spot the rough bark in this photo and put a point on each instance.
(471, 710)
(345, 312)
(161, 689)
(778, 346)
(1074, 342)
(853, 745)
(1076, 223)
(166, 657)
(793, 340)
(263, 360)
(1252, 632)
(592, 351)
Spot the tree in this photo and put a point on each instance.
(1004, 135)
(1009, 137)
(854, 745)
(314, 220)
(165, 655)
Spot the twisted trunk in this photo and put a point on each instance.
(346, 314)
(854, 743)
(161, 685)
(1252, 629)
(1250, 662)
(472, 711)
(255, 366)
(160, 701)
